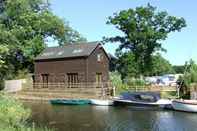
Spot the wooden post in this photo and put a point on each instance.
(103, 92)
(178, 91)
(114, 90)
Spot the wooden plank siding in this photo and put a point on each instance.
(85, 68)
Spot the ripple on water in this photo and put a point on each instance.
(100, 118)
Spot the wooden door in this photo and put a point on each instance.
(98, 79)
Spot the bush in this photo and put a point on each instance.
(128, 84)
(134, 82)
(13, 115)
(189, 77)
(115, 78)
(12, 112)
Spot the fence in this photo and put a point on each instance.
(72, 85)
(152, 88)
(103, 89)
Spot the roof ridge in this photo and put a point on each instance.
(82, 43)
(70, 50)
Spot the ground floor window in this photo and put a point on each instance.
(45, 80)
(73, 78)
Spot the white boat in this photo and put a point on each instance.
(163, 103)
(145, 99)
(101, 102)
(185, 105)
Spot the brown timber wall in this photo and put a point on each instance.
(58, 69)
(95, 66)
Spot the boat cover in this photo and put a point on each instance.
(141, 96)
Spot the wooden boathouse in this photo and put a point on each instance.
(80, 65)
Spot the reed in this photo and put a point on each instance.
(13, 115)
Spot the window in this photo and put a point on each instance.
(99, 57)
(72, 78)
(98, 77)
(45, 80)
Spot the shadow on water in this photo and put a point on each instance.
(103, 118)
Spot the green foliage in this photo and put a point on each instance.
(189, 77)
(134, 82)
(160, 66)
(13, 115)
(112, 63)
(12, 112)
(128, 67)
(143, 30)
(3, 51)
(116, 80)
(25, 27)
(168, 94)
(179, 69)
(125, 85)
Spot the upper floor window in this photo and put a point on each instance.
(99, 57)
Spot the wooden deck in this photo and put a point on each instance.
(48, 91)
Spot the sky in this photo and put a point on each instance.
(89, 18)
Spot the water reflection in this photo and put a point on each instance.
(101, 118)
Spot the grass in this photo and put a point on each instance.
(169, 94)
(13, 115)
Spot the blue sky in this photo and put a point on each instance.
(89, 18)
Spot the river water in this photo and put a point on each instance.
(104, 118)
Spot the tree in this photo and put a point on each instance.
(25, 26)
(179, 69)
(143, 30)
(3, 51)
(127, 66)
(112, 63)
(189, 77)
(160, 66)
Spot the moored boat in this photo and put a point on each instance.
(101, 102)
(145, 99)
(70, 101)
(185, 105)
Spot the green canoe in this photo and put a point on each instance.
(70, 102)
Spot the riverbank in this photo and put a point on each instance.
(14, 116)
(45, 94)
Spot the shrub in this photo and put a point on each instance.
(134, 82)
(12, 112)
(13, 115)
(189, 77)
(115, 78)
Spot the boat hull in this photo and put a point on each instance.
(69, 102)
(182, 106)
(101, 102)
(167, 104)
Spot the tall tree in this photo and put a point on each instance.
(179, 69)
(25, 25)
(143, 30)
(127, 66)
(160, 66)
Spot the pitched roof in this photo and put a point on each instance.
(68, 51)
